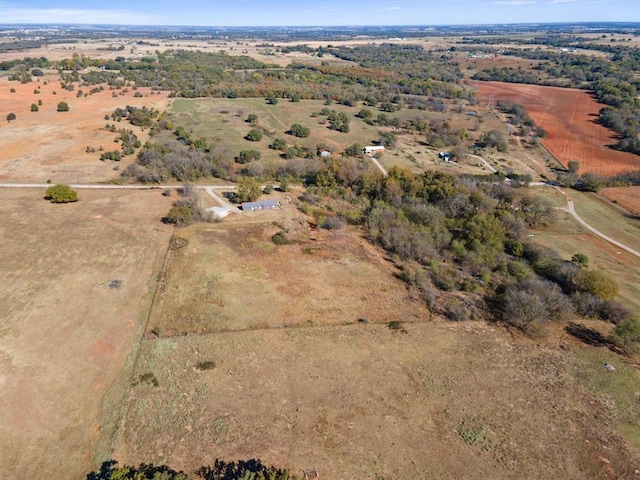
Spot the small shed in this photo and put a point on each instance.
(371, 149)
(261, 205)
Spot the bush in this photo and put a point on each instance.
(596, 283)
(180, 216)
(247, 156)
(299, 131)
(280, 238)
(332, 223)
(61, 193)
(626, 333)
(11, 116)
(63, 107)
(34, 107)
(254, 135)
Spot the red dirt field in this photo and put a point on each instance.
(626, 197)
(48, 144)
(569, 118)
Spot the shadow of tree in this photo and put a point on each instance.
(587, 335)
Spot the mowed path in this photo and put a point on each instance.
(569, 116)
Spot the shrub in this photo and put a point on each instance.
(34, 107)
(299, 131)
(280, 238)
(63, 107)
(11, 116)
(396, 326)
(61, 193)
(252, 118)
(247, 156)
(254, 135)
(596, 283)
(208, 365)
(332, 223)
(180, 216)
(626, 333)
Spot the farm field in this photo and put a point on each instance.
(66, 335)
(48, 144)
(626, 197)
(569, 118)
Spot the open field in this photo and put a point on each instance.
(336, 278)
(65, 334)
(358, 401)
(48, 144)
(569, 117)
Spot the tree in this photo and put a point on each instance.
(299, 131)
(272, 100)
(34, 107)
(626, 332)
(61, 193)
(11, 116)
(596, 283)
(388, 139)
(248, 190)
(247, 156)
(63, 107)
(254, 135)
(252, 118)
(353, 150)
(278, 144)
(573, 166)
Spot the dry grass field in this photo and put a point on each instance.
(569, 118)
(48, 144)
(66, 335)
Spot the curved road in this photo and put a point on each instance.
(570, 208)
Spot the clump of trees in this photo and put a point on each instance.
(186, 210)
(222, 470)
(61, 193)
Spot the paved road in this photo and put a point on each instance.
(570, 208)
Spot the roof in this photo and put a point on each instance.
(271, 203)
(219, 212)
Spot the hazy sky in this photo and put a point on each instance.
(316, 12)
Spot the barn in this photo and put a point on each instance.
(372, 149)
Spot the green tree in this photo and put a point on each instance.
(63, 107)
(353, 150)
(388, 139)
(299, 131)
(180, 216)
(278, 144)
(596, 283)
(61, 193)
(254, 135)
(626, 333)
(247, 156)
(34, 107)
(252, 118)
(248, 190)
(573, 166)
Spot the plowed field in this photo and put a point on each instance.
(569, 116)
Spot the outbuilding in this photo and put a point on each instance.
(372, 149)
(261, 205)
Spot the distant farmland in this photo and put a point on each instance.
(569, 116)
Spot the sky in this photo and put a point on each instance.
(316, 12)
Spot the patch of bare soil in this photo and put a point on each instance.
(48, 144)
(442, 400)
(75, 285)
(569, 116)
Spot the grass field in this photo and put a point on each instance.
(66, 334)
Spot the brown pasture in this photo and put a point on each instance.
(569, 116)
(65, 334)
(48, 144)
